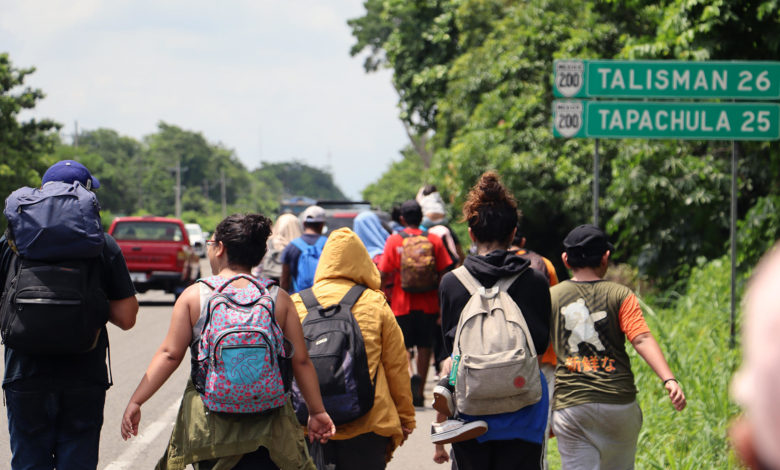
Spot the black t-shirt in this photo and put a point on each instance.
(88, 367)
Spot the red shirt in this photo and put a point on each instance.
(403, 302)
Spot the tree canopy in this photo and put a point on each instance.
(139, 177)
(23, 144)
(476, 77)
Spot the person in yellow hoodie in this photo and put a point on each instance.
(368, 442)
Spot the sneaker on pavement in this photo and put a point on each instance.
(442, 400)
(454, 430)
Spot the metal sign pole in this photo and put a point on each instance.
(596, 184)
(734, 150)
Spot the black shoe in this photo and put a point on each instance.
(417, 396)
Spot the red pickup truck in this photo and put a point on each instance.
(157, 251)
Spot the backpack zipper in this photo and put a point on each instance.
(221, 336)
(45, 301)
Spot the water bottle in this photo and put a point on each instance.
(454, 370)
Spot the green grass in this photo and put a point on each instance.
(694, 335)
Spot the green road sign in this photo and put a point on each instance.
(577, 78)
(666, 120)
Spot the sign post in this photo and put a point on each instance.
(751, 118)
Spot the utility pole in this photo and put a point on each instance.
(76, 133)
(177, 189)
(222, 190)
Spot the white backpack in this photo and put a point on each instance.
(497, 367)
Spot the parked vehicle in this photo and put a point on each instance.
(342, 213)
(157, 251)
(197, 239)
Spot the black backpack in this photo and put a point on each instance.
(336, 348)
(53, 307)
(537, 262)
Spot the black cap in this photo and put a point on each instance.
(411, 207)
(587, 241)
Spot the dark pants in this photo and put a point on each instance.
(257, 460)
(363, 452)
(54, 426)
(498, 455)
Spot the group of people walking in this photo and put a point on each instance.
(364, 309)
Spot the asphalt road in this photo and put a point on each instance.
(131, 352)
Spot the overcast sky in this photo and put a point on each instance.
(271, 79)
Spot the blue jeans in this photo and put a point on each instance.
(54, 425)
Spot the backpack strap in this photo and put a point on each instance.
(349, 299)
(288, 350)
(205, 290)
(308, 298)
(261, 288)
(473, 286)
(352, 295)
(506, 282)
(299, 243)
(405, 234)
(468, 280)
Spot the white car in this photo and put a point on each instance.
(197, 239)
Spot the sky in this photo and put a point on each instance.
(271, 79)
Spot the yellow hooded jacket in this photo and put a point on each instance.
(345, 262)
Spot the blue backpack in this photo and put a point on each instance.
(59, 221)
(307, 263)
(53, 300)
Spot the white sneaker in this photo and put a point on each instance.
(454, 430)
(442, 401)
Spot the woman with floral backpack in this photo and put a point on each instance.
(222, 440)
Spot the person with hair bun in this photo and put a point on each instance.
(211, 440)
(513, 440)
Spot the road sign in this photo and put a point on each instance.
(666, 120)
(741, 80)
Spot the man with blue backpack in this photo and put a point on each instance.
(301, 256)
(62, 279)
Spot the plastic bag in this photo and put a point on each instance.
(317, 452)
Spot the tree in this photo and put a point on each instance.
(298, 179)
(496, 112)
(121, 169)
(418, 40)
(23, 145)
(399, 183)
(490, 108)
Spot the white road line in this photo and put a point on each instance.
(137, 444)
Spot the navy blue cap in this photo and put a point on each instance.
(69, 171)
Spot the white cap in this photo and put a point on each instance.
(313, 214)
